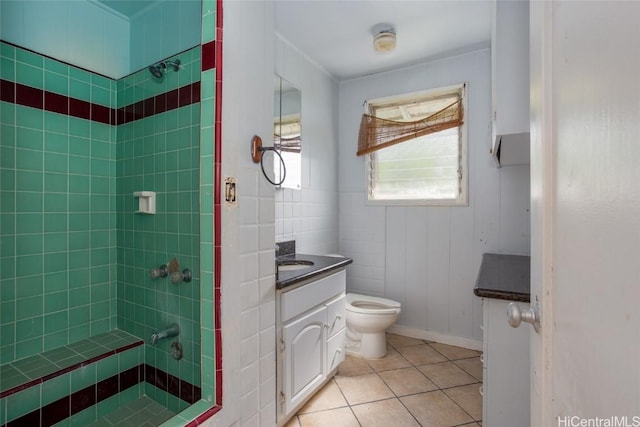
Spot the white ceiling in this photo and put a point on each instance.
(338, 34)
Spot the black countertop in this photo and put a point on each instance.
(321, 264)
(505, 277)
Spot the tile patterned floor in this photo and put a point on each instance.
(418, 383)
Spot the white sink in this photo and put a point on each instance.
(293, 265)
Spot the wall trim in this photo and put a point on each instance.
(436, 337)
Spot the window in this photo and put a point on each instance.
(416, 148)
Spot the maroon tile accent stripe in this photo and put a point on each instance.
(80, 400)
(173, 385)
(56, 103)
(7, 91)
(44, 100)
(208, 56)
(55, 411)
(176, 98)
(68, 369)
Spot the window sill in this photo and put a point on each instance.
(418, 202)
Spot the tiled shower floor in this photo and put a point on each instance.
(143, 412)
(418, 383)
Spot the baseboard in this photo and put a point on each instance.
(435, 336)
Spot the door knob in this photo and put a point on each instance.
(515, 315)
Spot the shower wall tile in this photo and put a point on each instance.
(57, 176)
(160, 153)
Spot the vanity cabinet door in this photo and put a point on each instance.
(305, 355)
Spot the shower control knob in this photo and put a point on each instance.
(185, 276)
(156, 273)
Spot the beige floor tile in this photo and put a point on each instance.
(353, 366)
(293, 422)
(421, 354)
(472, 366)
(393, 360)
(363, 388)
(384, 413)
(454, 353)
(329, 397)
(469, 399)
(407, 381)
(435, 409)
(446, 374)
(341, 417)
(401, 341)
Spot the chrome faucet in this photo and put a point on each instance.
(170, 331)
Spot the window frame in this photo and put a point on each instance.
(463, 162)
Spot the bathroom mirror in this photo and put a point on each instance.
(287, 131)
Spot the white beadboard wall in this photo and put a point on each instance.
(427, 258)
(248, 229)
(310, 215)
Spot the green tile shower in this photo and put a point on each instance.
(75, 256)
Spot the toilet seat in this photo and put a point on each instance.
(365, 304)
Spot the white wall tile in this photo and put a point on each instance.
(249, 294)
(251, 409)
(247, 90)
(310, 215)
(249, 378)
(249, 350)
(248, 239)
(249, 209)
(267, 342)
(250, 323)
(249, 270)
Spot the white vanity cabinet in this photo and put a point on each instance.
(505, 401)
(311, 338)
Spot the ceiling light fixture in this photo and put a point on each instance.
(384, 38)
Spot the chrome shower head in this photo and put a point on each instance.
(158, 69)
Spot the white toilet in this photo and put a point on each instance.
(367, 320)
